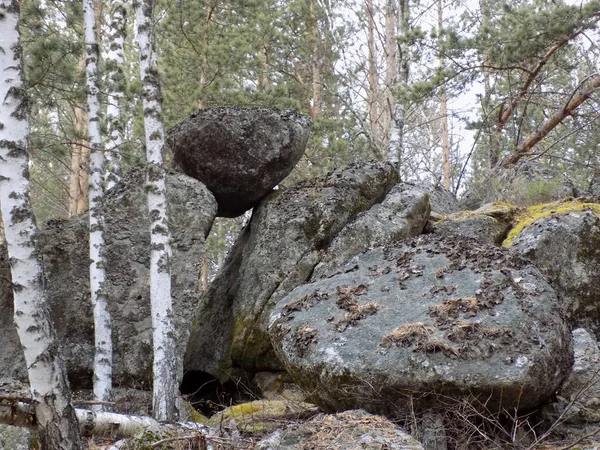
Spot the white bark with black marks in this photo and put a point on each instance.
(57, 424)
(102, 327)
(165, 366)
(115, 90)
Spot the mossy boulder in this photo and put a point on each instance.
(407, 322)
(563, 241)
(489, 223)
(276, 251)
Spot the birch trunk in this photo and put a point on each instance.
(165, 366)
(115, 91)
(102, 327)
(446, 179)
(93, 423)
(56, 421)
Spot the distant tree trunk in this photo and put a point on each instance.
(315, 62)
(492, 137)
(78, 183)
(446, 179)
(373, 91)
(115, 91)
(56, 421)
(391, 78)
(165, 381)
(396, 143)
(102, 327)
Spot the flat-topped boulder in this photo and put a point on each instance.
(434, 317)
(240, 154)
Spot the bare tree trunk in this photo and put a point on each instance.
(315, 63)
(79, 157)
(446, 179)
(56, 421)
(493, 136)
(391, 78)
(395, 147)
(373, 92)
(115, 91)
(165, 367)
(102, 326)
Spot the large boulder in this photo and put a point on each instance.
(64, 247)
(350, 430)
(276, 252)
(401, 215)
(434, 316)
(240, 154)
(563, 241)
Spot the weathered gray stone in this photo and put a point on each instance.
(350, 430)
(563, 241)
(276, 252)
(580, 394)
(447, 316)
(401, 215)
(64, 246)
(489, 224)
(240, 154)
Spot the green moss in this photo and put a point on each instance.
(530, 215)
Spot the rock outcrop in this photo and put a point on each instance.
(563, 241)
(240, 154)
(64, 246)
(276, 252)
(445, 316)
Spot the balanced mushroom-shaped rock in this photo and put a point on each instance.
(433, 318)
(240, 154)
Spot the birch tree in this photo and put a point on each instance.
(115, 90)
(102, 328)
(165, 380)
(57, 423)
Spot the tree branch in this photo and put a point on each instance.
(583, 92)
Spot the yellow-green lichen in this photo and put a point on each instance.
(261, 415)
(530, 215)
